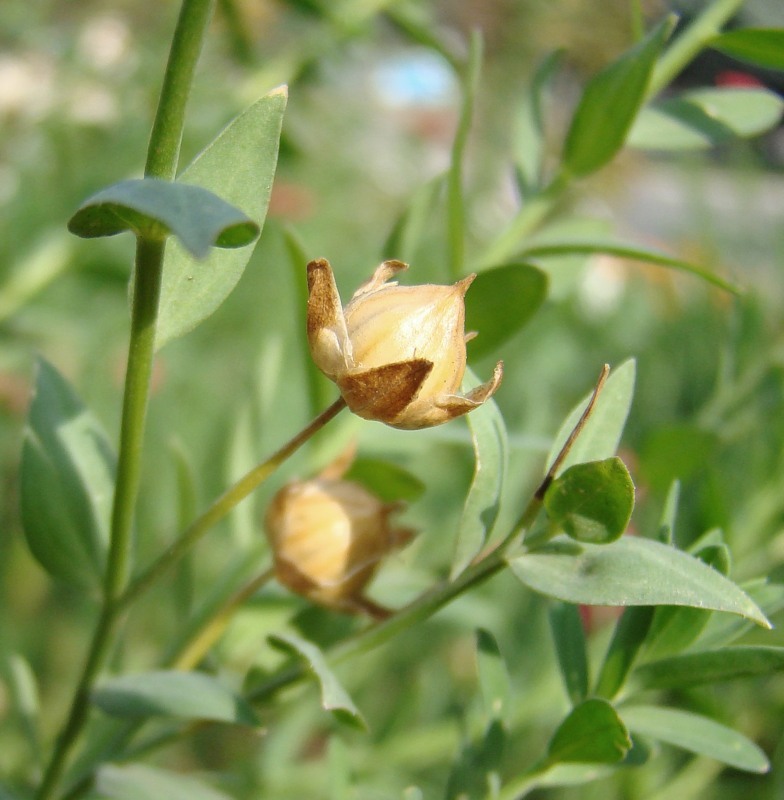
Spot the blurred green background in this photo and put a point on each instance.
(371, 117)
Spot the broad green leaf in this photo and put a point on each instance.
(500, 302)
(66, 482)
(185, 695)
(568, 633)
(710, 666)
(674, 629)
(592, 502)
(609, 105)
(155, 208)
(334, 697)
(696, 734)
(630, 572)
(137, 781)
(628, 637)
(593, 733)
(389, 482)
(762, 46)
(239, 166)
(704, 118)
(493, 675)
(488, 435)
(601, 435)
(607, 246)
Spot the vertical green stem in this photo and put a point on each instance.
(161, 163)
(686, 46)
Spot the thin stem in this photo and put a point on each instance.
(195, 650)
(223, 505)
(693, 39)
(162, 163)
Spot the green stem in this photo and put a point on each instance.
(161, 163)
(223, 505)
(693, 39)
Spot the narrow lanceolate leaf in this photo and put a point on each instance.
(592, 502)
(66, 482)
(704, 118)
(602, 245)
(609, 105)
(493, 675)
(155, 208)
(488, 434)
(630, 572)
(135, 781)
(185, 695)
(628, 637)
(697, 734)
(592, 734)
(569, 638)
(761, 46)
(601, 435)
(334, 697)
(710, 666)
(501, 302)
(239, 166)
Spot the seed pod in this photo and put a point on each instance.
(397, 353)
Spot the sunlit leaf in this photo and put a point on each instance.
(710, 666)
(186, 695)
(610, 103)
(239, 166)
(696, 734)
(762, 46)
(334, 697)
(66, 482)
(500, 302)
(631, 571)
(593, 501)
(155, 208)
(601, 435)
(488, 434)
(704, 118)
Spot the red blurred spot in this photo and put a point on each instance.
(735, 79)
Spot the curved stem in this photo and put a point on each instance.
(225, 503)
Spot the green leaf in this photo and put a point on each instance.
(607, 246)
(136, 781)
(415, 223)
(488, 435)
(155, 208)
(592, 734)
(630, 572)
(592, 502)
(696, 734)
(674, 629)
(493, 675)
(66, 482)
(669, 514)
(238, 165)
(710, 666)
(500, 302)
(704, 118)
(568, 633)
(610, 103)
(389, 482)
(762, 46)
(185, 695)
(601, 435)
(334, 697)
(628, 637)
